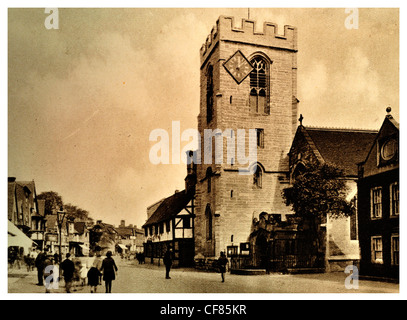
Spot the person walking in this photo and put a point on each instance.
(48, 273)
(222, 262)
(108, 268)
(39, 264)
(68, 268)
(94, 274)
(168, 258)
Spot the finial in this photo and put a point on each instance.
(388, 110)
(300, 119)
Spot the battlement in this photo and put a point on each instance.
(225, 30)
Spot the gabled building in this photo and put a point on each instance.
(171, 224)
(103, 237)
(344, 149)
(25, 210)
(378, 204)
(130, 238)
(79, 243)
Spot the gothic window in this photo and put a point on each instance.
(208, 215)
(259, 86)
(209, 94)
(299, 170)
(258, 177)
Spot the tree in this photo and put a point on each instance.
(53, 201)
(319, 191)
(77, 213)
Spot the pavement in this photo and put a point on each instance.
(147, 278)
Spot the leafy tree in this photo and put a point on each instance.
(77, 213)
(53, 201)
(319, 191)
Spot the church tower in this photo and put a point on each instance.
(248, 82)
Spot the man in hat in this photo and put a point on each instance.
(168, 257)
(68, 268)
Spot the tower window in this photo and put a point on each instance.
(209, 94)
(259, 86)
(258, 177)
(208, 214)
(209, 178)
(260, 138)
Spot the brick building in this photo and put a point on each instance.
(378, 204)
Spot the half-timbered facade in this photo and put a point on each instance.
(171, 224)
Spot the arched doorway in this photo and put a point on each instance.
(261, 251)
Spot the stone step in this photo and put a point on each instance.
(248, 272)
(305, 270)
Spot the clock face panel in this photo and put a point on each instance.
(238, 66)
(389, 149)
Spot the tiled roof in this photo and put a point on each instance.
(125, 231)
(170, 207)
(343, 148)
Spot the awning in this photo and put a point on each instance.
(122, 246)
(17, 238)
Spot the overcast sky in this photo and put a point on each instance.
(83, 99)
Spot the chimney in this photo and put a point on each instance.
(122, 223)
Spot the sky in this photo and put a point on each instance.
(84, 98)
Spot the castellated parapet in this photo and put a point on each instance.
(225, 30)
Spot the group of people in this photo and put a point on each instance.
(73, 270)
(221, 263)
(97, 269)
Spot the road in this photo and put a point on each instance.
(146, 278)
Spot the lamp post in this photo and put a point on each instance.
(60, 220)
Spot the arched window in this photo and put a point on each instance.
(209, 222)
(209, 94)
(259, 86)
(299, 169)
(209, 178)
(258, 176)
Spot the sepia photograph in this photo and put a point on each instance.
(202, 150)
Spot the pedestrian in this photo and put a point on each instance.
(94, 275)
(97, 263)
(222, 262)
(108, 268)
(168, 258)
(39, 264)
(83, 274)
(48, 273)
(56, 258)
(68, 268)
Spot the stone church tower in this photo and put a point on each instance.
(248, 82)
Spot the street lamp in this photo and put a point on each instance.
(60, 220)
